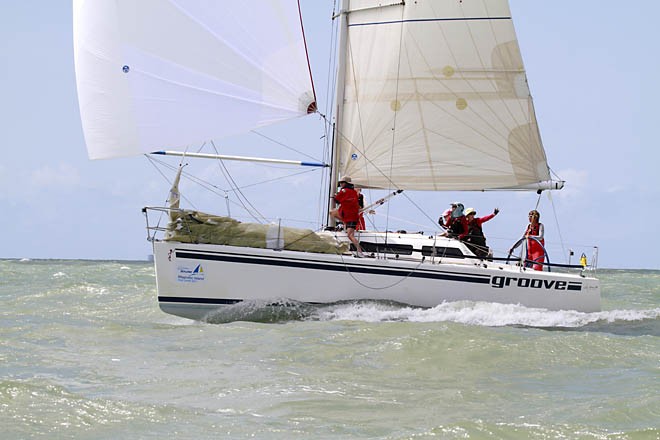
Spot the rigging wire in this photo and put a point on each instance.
(202, 183)
(366, 286)
(285, 146)
(153, 162)
(561, 238)
(538, 200)
(421, 210)
(396, 101)
(239, 194)
(331, 90)
(279, 178)
(208, 186)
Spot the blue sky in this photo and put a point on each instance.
(593, 71)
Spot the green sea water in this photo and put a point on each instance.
(85, 353)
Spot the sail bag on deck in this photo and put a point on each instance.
(197, 227)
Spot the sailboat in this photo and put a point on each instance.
(431, 95)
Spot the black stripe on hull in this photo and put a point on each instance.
(215, 301)
(326, 266)
(413, 273)
(212, 301)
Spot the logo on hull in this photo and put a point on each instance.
(499, 282)
(188, 275)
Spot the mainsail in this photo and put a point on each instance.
(154, 74)
(436, 98)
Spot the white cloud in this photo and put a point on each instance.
(576, 183)
(64, 175)
(615, 189)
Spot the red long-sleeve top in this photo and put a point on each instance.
(349, 208)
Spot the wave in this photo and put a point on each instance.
(266, 311)
(483, 314)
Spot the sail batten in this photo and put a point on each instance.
(436, 98)
(427, 20)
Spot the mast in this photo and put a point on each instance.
(339, 102)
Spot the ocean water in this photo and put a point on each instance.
(85, 353)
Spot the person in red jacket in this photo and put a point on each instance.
(475, 238)
(457, 226)
(349, 211)
(535, 242)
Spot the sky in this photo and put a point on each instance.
(592, 68)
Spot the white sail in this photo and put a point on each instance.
(153, 74)
(436, 98)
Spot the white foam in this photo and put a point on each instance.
(480, 313)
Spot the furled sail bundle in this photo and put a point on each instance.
(154, 74)
(436, 98)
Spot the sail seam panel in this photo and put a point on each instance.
(421, 20)
(530, 159)
(495, 114)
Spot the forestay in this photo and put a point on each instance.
(157, 74)
(436, 98)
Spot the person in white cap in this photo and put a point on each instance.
(348, 211)
(475, 238)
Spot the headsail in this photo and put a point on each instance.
(157, 74)
(436, 98)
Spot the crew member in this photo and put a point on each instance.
(457, 226)
(475, 239)
(349, 211)
(535, 242)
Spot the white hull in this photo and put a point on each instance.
(195, 279)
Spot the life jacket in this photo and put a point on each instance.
(475, 239)
(475, 233)
(456, 227)
(534, 249)
(534, 230)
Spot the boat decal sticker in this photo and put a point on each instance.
(187, 274)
